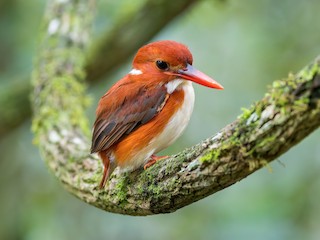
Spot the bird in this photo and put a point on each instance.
(148, 109)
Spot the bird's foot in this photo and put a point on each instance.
(153, 159)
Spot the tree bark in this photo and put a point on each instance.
(141, 25)
(289, 112)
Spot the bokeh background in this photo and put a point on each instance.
(244, 45)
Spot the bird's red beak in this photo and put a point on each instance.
(194, 75)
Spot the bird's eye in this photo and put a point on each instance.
(162, 65)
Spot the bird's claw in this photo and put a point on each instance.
(153, 159)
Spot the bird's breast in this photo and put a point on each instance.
(135, 149)
(179, 119)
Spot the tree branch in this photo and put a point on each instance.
(287, 114)
(141, 25)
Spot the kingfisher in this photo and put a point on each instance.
(148, 109)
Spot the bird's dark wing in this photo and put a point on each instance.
(124, 108)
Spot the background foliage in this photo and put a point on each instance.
(260, 41)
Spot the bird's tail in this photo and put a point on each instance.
(109, 167)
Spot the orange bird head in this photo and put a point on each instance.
(169, 60)
(148, 109)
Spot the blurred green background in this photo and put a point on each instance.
(244, 45)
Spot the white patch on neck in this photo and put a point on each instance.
(135, 72)
(173, 85)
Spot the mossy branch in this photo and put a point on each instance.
(286, 115)
(141, 25)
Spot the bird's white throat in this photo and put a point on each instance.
(173, 85)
